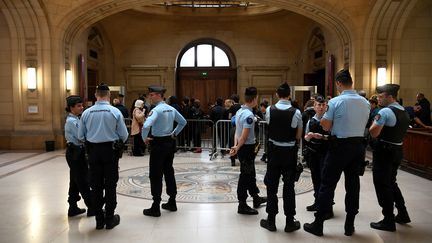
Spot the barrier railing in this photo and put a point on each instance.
(197, 135)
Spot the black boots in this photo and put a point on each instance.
(100, 221)
(402, 217)
(291, 225)
(74, 210)
(112, 221)
(257, 201)
(154, 211)
(349, 225)
(243, 208)
(269, 223)
(170, 205)
(312, 208)
(316, 227)
(387, 224)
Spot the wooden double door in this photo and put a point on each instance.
(206, 84)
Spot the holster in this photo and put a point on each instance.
(118, 147)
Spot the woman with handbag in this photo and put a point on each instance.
(138, 117)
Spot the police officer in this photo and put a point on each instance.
(163, 144)
(316, 143)
(75, 157)
(389, 128)
(346, 117)
(244, 147)
(282, 155)
(103, 128)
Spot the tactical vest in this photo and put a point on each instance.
(280, 129)
(315, 127)
(396, 134)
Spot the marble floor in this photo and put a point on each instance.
(33, 205)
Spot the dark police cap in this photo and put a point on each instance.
(73, 100)
(102, 86)
(391, 89)
(156, 89)
(251, 91)
(320, 99)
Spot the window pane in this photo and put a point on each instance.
(204, 55)
(188, 58)
(221, 58)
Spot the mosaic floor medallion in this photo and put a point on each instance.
(201, 182)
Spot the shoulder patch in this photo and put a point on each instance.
(377, 117)
(249, 120)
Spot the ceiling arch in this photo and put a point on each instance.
(90, 12)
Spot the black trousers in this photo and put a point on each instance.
(161, 164)
(281, 161)
(78, 176)
(247, 178)
(316, 163)
(343, 156)
(386, 161)
(139, 145)
(103, 161)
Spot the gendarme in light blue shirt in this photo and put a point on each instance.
(245, 119)
(349, 113)
(71, 129)
(161, 120)
(102, 123)
(387, 117)
(295, 123)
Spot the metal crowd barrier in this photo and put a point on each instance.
(129, 141)
(197, 135)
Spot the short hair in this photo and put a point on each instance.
(344, 77)
(219, 101)
(235, 98)
(250, 94)
(102, 93)
(283, 91)
(389, 89)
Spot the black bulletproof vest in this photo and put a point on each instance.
(280, 129)
(396, 134)
(315, 127)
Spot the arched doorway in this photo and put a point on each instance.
(206, 70)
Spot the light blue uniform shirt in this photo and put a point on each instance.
(71, 129)
(102, 123)
(245, 119)
(387, 117)
(349, 113)
(161, 120)
(296, 120)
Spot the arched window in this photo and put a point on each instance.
(205, 55)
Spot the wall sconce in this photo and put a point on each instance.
(381, 76)
(69, 80)
(31, 78)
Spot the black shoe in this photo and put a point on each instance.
(314, 228)
(349, 230)
(382, 225)
(328, 215)
(100, 222)
(312, 208)
(292, 225)
(257, 201)
(113, 221)
(154, 212)
(402, 218)
(90, 212)
(270, 226)
(243, 208)
(170, 205)
(74, 211)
